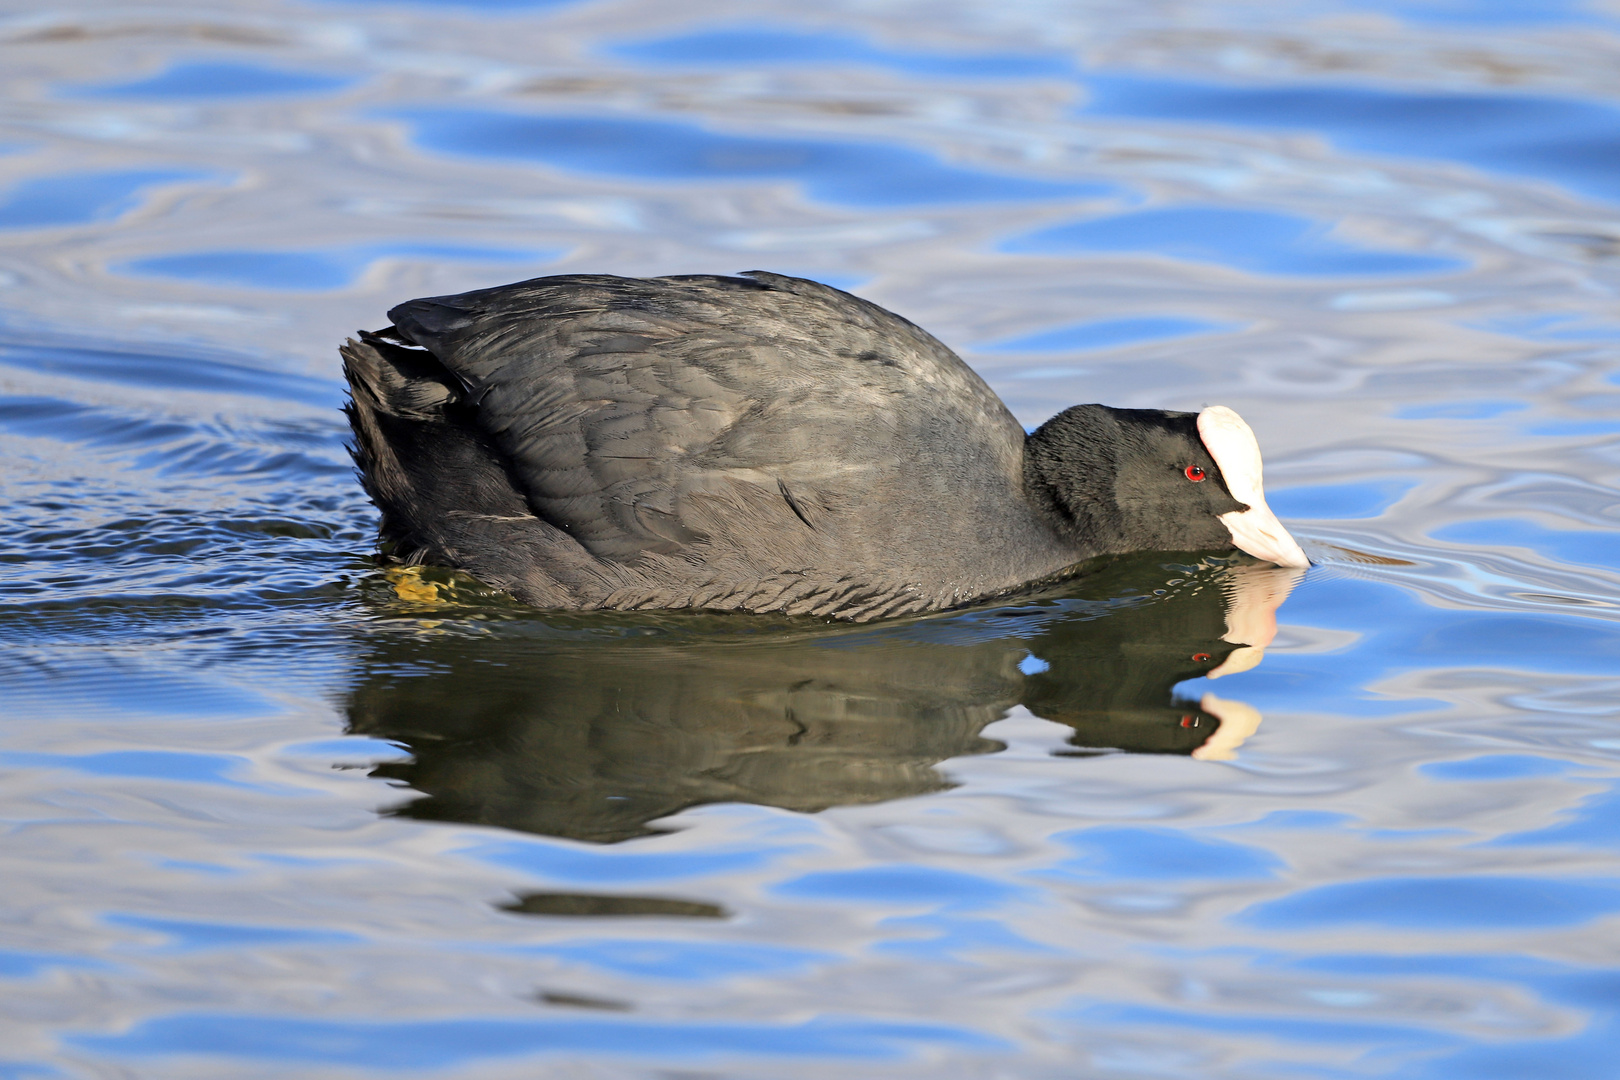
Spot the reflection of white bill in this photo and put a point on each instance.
(1253, 595)
(1237, 722)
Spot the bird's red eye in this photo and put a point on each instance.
(1194, 473)
(1200, 657)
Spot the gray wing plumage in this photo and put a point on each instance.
(752, 433)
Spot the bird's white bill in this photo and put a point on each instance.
(1258, 532)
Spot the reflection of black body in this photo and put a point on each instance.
(1110, 679)
(593, 733)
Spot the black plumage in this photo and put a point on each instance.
(757, 443)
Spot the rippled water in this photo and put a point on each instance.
(272, 811)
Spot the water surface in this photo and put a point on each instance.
(274, 810)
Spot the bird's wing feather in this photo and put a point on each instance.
(666, 415)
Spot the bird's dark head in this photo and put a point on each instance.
(1145, 479)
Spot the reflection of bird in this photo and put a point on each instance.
(1113, 684)
(596, 729)
(594, 739)
(758, 443)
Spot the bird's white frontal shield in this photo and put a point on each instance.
(1256, 530)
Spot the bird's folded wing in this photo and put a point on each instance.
(652, 416)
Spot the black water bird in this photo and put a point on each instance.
(758, 443)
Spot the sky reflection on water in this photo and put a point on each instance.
(316, 271)
(216, 81)
(1253, 240)
(1570, 142)
(82, 199)
(799, 45)
(276, 812)
(847, 173)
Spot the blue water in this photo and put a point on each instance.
(81, 199)
(1106, 333)
(852, 173)
(206, 82)
(275, 810)
(316, 271)
(1570, 142)
(1259, 241)
(799, 45)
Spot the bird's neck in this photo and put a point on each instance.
(1070, 467)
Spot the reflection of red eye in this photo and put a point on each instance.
(1200, 657)
(1189, 721)
(1194, 473)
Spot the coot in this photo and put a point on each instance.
(758, 443)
